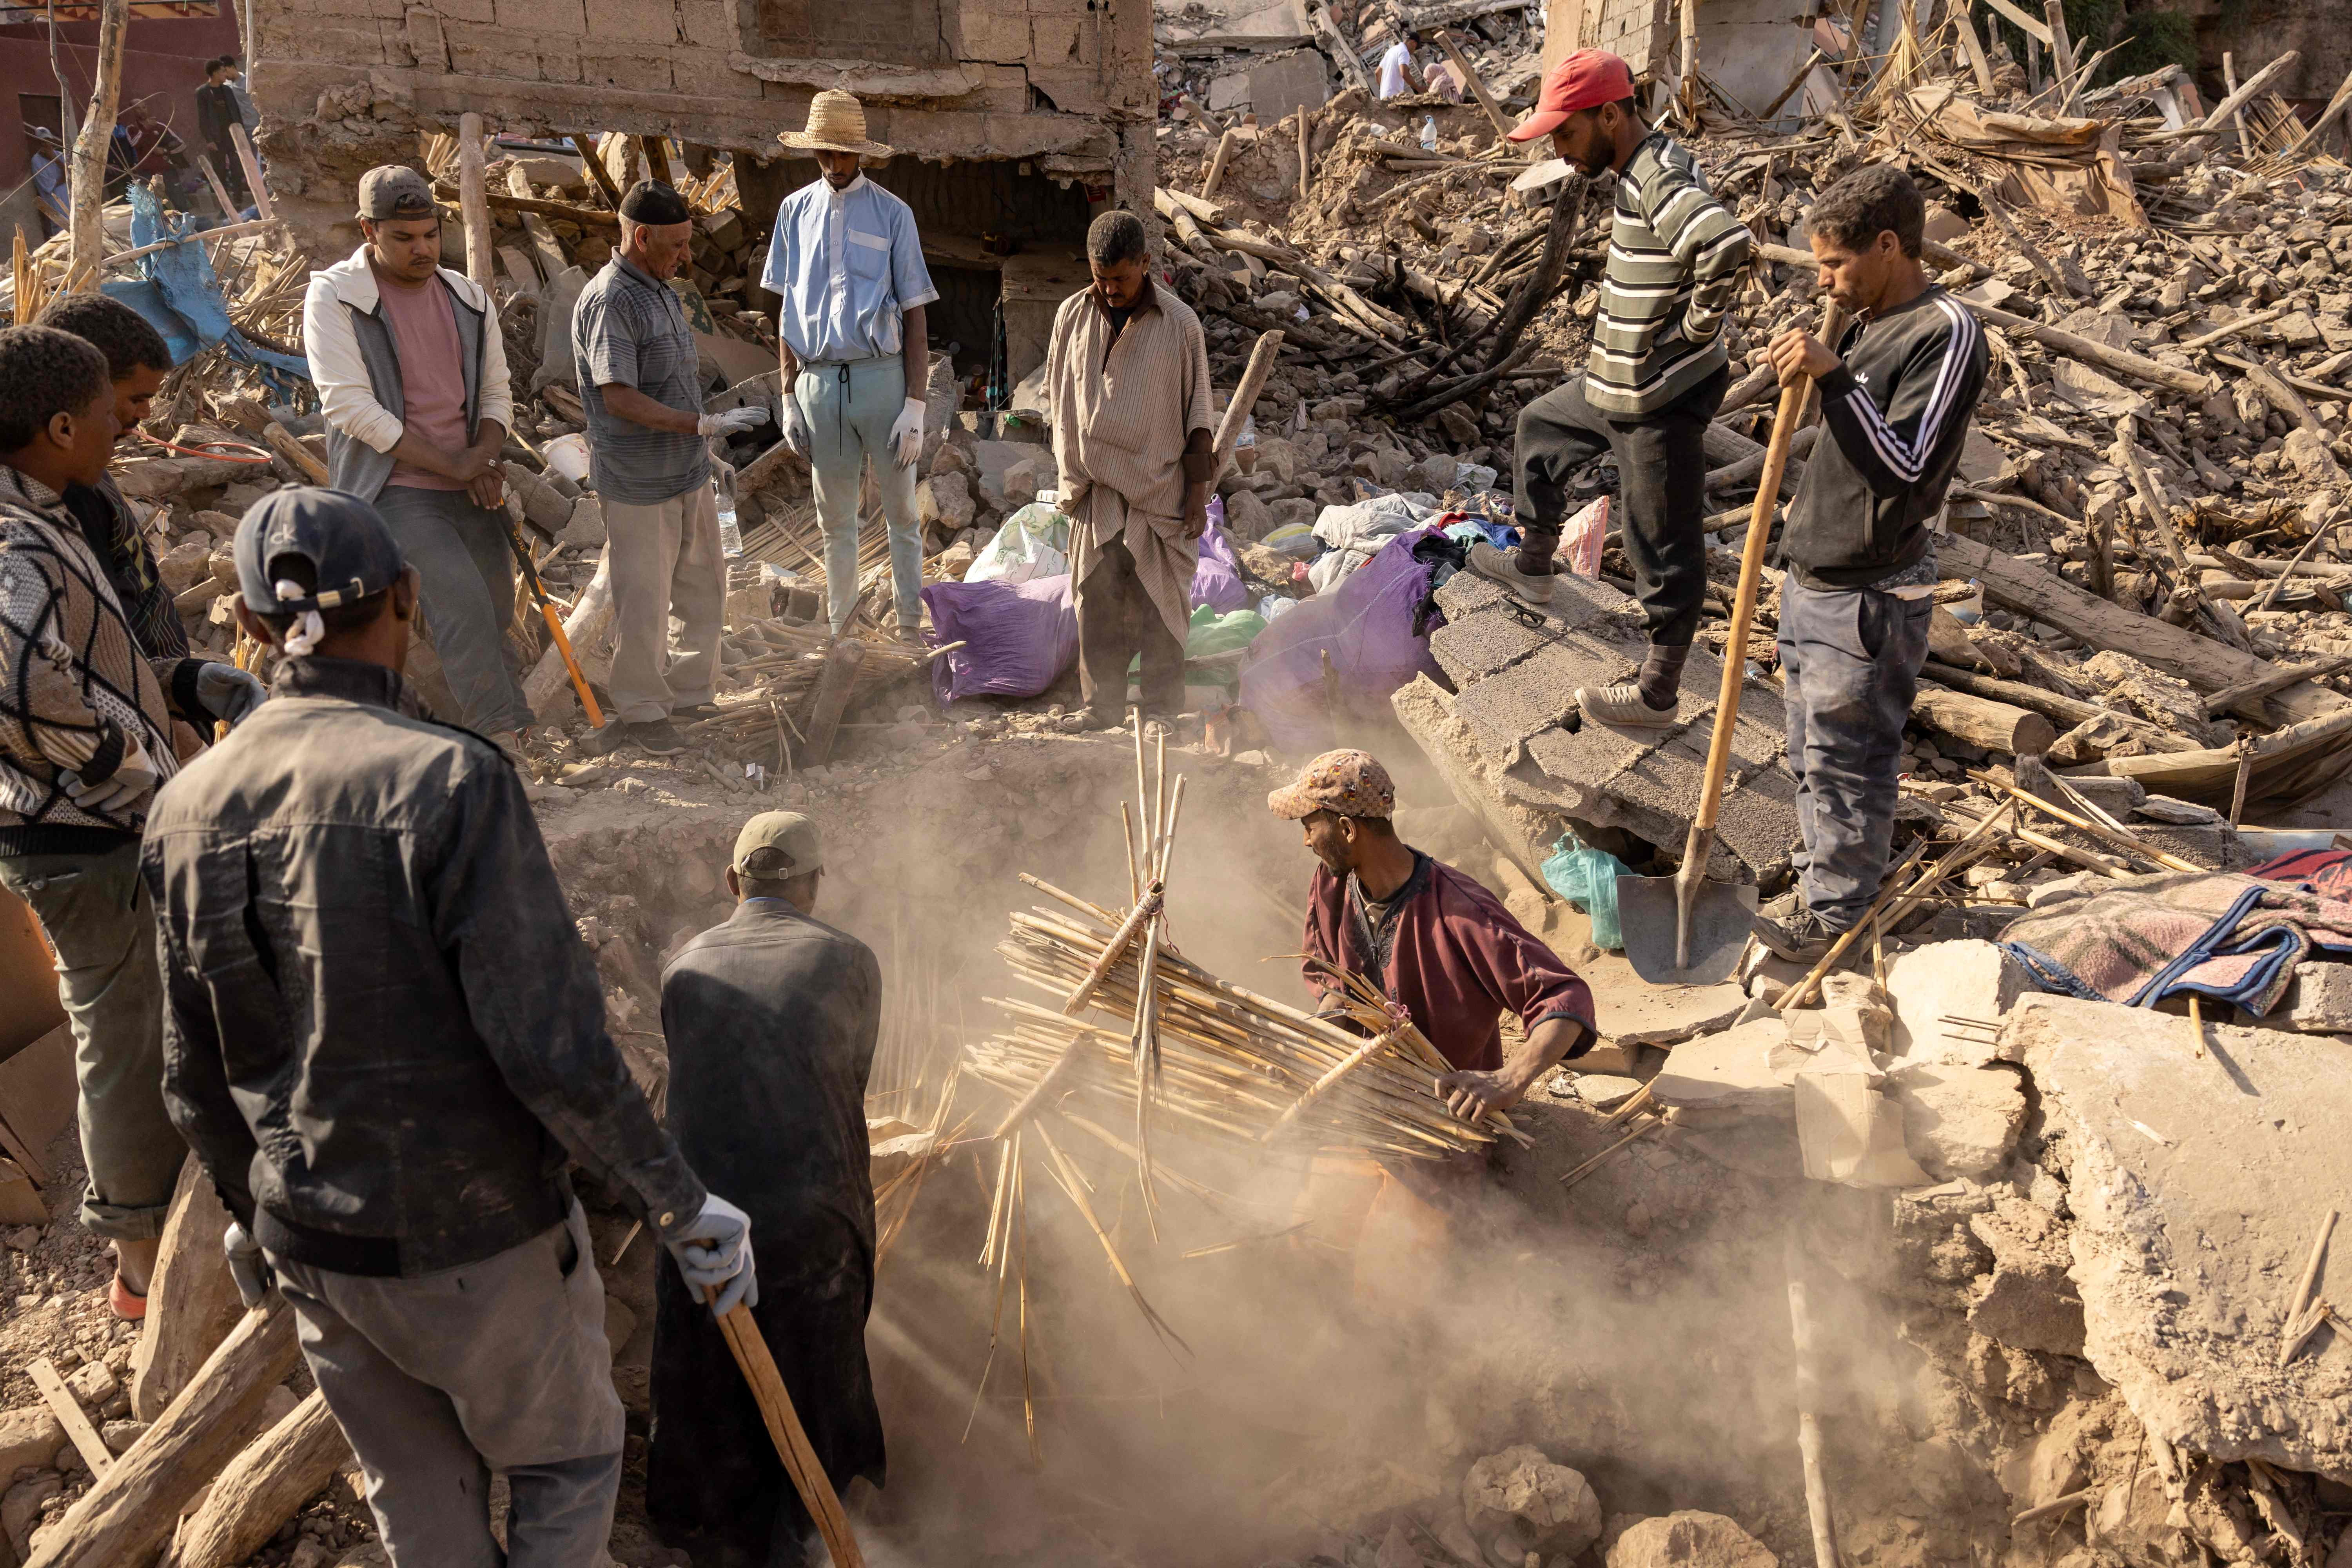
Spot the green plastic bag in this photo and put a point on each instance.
(1587, 878)
(1214, 645)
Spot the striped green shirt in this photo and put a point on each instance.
(1674, 256)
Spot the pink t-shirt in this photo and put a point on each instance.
(432, 376)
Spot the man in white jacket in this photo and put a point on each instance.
(411, 368)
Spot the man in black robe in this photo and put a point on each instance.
(771, 1019)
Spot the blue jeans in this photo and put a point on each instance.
(1850, 664)
(850, 409)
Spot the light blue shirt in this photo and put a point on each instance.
(847, 265)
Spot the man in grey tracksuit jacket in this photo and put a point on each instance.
(411, 368)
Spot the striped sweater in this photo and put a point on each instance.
(1897, 409)
(77, 694)
(1674, 256)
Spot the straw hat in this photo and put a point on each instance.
(836, 123)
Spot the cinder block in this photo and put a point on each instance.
(708, 24)
(995, 35)
(567, 19)
(631, 21)
(2318, 1001)
(1056, 40)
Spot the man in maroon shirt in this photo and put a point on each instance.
(1435, 941)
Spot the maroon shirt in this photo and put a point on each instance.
(1450, 953)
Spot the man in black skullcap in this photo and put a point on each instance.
(640, 385)
(384, 1040)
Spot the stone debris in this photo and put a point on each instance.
(1518, 1502)
(1689, 1539)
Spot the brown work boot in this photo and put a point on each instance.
(1492, 563)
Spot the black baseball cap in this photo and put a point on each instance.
(350, 552)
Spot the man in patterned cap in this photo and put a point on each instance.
(1434, 940)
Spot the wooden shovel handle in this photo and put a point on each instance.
(1794, 400)
(809, 1479)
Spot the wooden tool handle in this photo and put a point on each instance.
(579, 676)
(784, 1429)
(1794, 399)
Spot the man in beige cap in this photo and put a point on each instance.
(856, 349)
(771, 1019)
(1127, 380)
(1438, 943)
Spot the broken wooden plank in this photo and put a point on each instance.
(68, 1412)
(191, 1299)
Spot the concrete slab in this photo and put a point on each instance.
(1969, 979)
(1522, 835)
(1730, 1071)
(2318, 1001)
(1632, 1012)
(2197, 1183)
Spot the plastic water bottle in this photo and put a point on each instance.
(1429, 134)
(731, 538)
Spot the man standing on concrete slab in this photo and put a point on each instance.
(1126, 381)
(1860, 546)
(641, 386)
(85, 737)
(771, 1019)
(410, 367)
(392, 1146)
(1440, 945)
(1657, 372)
(856, 349)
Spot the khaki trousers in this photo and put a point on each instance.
(665, 566)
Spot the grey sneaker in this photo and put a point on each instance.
(655, 738)
(1490, 562)
(1622, 705)
(1799, 936)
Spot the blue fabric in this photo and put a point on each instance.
(856, 316)
(176, 291)
(1472, 530)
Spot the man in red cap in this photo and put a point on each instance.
(1655, 376)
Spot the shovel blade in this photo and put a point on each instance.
(1719, 917)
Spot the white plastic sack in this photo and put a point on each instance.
(1034, 543)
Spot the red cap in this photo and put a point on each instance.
(1586, 79)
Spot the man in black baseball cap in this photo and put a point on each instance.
(383, 1039)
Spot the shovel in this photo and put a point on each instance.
(1684, 929)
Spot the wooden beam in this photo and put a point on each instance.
(543, 243)
(191, 1301)
(1470, 78)
(86, 214)
(596, 170)
(1982, 721)
(129, 1511)
(68, 1412)
(565, 210)
(263, 1487)
(2038, 31)
(2210, 666)
(259, 192)
(1229, 429)
(475, 211)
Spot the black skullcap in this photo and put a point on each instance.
(651, 202)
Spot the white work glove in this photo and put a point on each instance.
(134, 777)
(229, 692)
(247, 1266)
(714, 1252)
(796, 425)
(730, 422)
(906, 434)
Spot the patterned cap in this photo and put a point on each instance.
(1353, 784)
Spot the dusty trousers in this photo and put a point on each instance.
(1849, 660)
(1117, 620)
(850, 409)
(93, 905)
(1661, 478)
(467, 579)
(439, 1380)
(666, 563)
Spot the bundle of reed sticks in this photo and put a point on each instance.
(786, 660)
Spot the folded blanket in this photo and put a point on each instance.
(2234, 938)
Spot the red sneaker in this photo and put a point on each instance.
(127, 1305)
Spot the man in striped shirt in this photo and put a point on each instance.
(1860, 544)
(1656, 374)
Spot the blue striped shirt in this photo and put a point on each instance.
(847, 265)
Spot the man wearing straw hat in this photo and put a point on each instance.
(856, 349)
(771, 1017)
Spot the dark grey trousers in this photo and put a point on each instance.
(1662, 482)
(467, 583)
(1849, 662)
(1118, 621)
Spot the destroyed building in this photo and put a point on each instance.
(1013, 121)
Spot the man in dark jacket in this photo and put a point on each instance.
(1860, 546)
(771, 1019)
(216, 110)
(383, 1039)
(138, 359)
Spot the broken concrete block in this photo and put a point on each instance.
(2027, 1302)
(1958, 1120)
(184, 565)
(586, 529)
(1689, 1539)
(1518, 1501)
(2116, 797)
(2197, 1178)
(944, 501)
(1020, 485)
(1730, 1071)
(1962, 979)
(1606, 1091)
(93, 1382)
(1247, 518)
(2318, 1001)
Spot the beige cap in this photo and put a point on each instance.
(776, 845)
(1353, 784)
